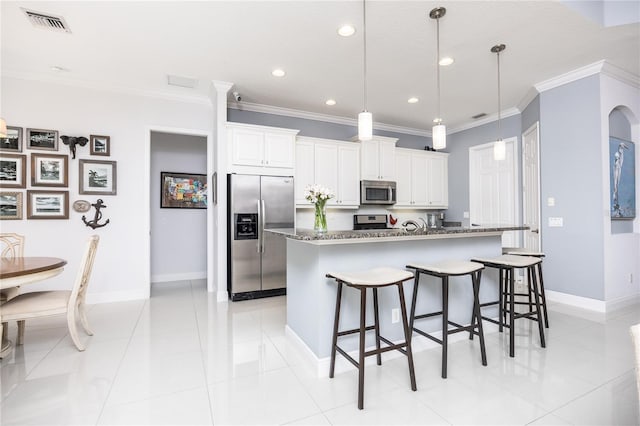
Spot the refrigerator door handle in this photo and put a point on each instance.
(259, 243)
(262, 224)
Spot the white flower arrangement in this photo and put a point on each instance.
(318, 194)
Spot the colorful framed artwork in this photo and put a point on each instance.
(49, 170)
(13, 141)
(98, 177)
(42, 139)
(10, 205)
(13, 173)
(183, 190)
(622, 174)
(47, 204)
(100, 145)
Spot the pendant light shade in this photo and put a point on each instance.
(3, 128)
(365, 118)
(365, 126)
(439, 130)
(499, 147)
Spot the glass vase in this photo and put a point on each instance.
(320, 222)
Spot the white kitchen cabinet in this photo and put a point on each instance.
(332, 164)
(378, 159)
(421, 179)
(259, 149)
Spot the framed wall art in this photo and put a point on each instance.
(13, 173)
(183, 190)
(49, 170)
(42, 139)
(47, 204)
(10, 205)
(100, 145)
(13, 141)
(98, 177)
(622, 174)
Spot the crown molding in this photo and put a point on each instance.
(619, 74)
(46, 78)
(570, 76)
(485, 120)
(527, 99)
(289, 112)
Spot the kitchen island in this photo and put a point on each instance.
(311, 296)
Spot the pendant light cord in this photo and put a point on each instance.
(438, 65)
(499, 104)
(364, 63)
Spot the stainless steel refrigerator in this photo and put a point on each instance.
(257, 260)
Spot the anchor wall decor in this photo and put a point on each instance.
(96, 218)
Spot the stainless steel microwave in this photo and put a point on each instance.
(377, 192)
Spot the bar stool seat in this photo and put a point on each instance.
(444, 270)
(521, 251)
(506, 264)
(363, 280)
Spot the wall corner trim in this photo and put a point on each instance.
(621, 75)
(570, 76)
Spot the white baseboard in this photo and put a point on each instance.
(116, 296)
(622, 302)
(576, 301)
(184, 276)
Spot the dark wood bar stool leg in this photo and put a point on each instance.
(376, 317)
(536, 296)
(445, 323)
(542, 295)
(407, 337)
(475, 277)
(512, 311)
(501, 289)
(416, 281)
(363, 326)
(334, 340)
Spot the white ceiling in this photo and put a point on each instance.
(135, 45)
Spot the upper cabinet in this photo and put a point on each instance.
(332, 164)
(261, 149)
(378, 158)
(422, 179)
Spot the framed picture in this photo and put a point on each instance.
(622, 172)
(183, 190)
(98, 177)
(10, 205)
(47, 204)
(13, 141)
(13, 172)
(49, 170)
(100, 145)
(46, 140)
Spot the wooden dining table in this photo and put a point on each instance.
(19, 271)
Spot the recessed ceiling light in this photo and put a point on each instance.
(278, 72)
(446, 61)
(346, 30)
(413, 100)
(330, 102)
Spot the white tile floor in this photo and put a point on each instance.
(182, 358)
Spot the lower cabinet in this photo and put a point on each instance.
(422, 179)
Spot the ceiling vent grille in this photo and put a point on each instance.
(482, 114)
(49, 22)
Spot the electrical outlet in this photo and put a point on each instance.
(395, 315)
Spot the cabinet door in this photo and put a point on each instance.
(387, 160)
(348, 193)
(403, 180)
(247, 147)
(305, 169)
(438, 182)
(369, 160)
(326, 168)
(279, 150)
(420, 180)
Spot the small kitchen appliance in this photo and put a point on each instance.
(377, 192)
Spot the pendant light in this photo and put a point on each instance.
(438, 131)
(499, 147)
(365, 119)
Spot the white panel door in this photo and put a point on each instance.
(326, 168)
(247, 147)
(403, 179)
(493, 194)
(304, 172)
(531, 187)
(348, 192)
(279, 150)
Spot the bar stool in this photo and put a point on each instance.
(521, 251)
(506, 264)
(445, 270)
(363, 280)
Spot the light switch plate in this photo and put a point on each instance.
(465, 215)
(556, 222)
(551, 201)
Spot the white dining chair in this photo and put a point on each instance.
(11, 245)
(46, 303)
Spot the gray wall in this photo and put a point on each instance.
(178, 236)
(571, 172)
(531, 113)
(619, 127)
(458, 145)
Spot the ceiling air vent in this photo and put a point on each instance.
(482, 114)
(49, 22)
(176, 80)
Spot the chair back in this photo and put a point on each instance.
(79, 290)
(12, 245)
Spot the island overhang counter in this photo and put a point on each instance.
(311, 297)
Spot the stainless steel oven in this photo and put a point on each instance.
(377, 192)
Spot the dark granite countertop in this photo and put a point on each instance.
(395, 234)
